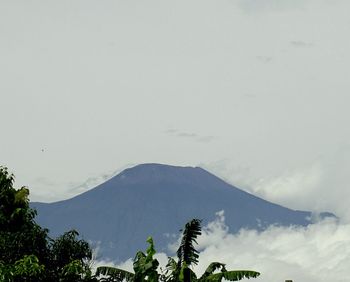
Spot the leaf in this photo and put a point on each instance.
(234, 275)
(21, 196)
(186, 252)
(211, 269)
(150, 250)
(116, 273)
(172, 271)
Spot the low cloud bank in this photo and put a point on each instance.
(318, 185)
(317, 253)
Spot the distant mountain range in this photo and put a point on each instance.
(157, 200)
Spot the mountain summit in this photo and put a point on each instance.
(156, 200)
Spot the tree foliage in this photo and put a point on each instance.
(145, 266)
(27, 253)
(187, 254)
(19, 233)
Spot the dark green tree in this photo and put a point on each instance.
(70, 257)
(27, 253)
(19, 233)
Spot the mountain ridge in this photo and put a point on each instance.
(157, 199)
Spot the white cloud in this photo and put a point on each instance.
(51, 191)
(317, 185)
(317, 253)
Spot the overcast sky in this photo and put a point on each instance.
(255, 91)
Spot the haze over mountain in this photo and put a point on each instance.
(157, 200)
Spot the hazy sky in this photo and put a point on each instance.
(256, 91)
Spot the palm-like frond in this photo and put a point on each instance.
(234, 275)
(186, 252)
(145, 267)
(171, 265)
(116, 273)
(172, 271)
(211, 269)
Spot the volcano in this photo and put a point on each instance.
(157, 200)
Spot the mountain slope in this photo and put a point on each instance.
(157, 200)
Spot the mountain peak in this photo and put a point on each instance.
(155, 173)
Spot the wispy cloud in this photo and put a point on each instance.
(264, 59)
(170, 130)
(300, 43)
(49, 191)
(205, 139)
(270, 5)
(187, 135)
(190, 135)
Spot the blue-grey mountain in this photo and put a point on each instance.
(157, 200)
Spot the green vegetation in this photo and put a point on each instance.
(145, 266)
(28, 254)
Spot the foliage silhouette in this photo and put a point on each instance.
(145, 266)
(27, 253)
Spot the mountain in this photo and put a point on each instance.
(157, 200)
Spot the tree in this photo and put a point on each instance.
(145, 266)
(28, 269)
(70, 257)
(27, 253)
(19, 233)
